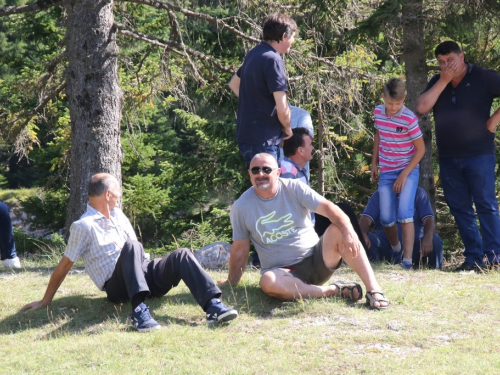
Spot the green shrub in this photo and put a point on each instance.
(29, 244)
(47, 209)
(213, 229)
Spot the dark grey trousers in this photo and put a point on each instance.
(133, 274)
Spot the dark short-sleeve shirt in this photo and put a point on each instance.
(460, 114)
(262, 74)
(423, 209)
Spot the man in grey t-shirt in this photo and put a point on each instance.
(274, 215)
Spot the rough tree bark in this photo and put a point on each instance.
(416, 81)
(95, 97)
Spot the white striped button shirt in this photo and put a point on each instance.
(98, 241)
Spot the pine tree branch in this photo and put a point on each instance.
(168, 6)
(174, 47)
(177, 30)
(28, 115)
(51, 70)
(36, 7)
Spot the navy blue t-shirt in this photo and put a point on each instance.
(262, 74)
(460, 114)
(423, 209)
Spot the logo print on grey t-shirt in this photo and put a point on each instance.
(273, 230)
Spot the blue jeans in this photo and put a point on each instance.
(380, 250)
(249, 151)
(472, 180)
(7, 245)
(390, 209)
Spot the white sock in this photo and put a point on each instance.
(397, 247)
(407, 260)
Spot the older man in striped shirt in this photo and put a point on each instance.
(104, 238)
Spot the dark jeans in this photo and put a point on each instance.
(133, 274)
(248, 151)
(468, 181)
(381, 250)
(7, 245)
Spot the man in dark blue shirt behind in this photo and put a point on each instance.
(461, 97)
(428, 246)
(261, 87)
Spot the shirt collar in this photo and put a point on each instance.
(98, 215)
(293, 163)
(398, 113)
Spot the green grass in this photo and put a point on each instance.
(438, 323)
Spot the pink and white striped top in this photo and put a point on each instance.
(397, 134)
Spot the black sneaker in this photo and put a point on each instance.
(218, 312)
(466, 266)
(142, 320)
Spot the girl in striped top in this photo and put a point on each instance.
(397, 151)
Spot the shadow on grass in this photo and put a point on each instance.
(88, 314)
(250, 299)
(82, 314)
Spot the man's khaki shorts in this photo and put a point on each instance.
(313, 270)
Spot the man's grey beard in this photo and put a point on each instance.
(263, 185)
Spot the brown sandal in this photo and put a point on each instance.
(350, 286)
(371, 299)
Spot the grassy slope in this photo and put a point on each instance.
(439, 322)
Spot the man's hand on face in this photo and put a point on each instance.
(450, 71)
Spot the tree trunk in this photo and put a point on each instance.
(416, 81)
(95, 98)
(321, 147)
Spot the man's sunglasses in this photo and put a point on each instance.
(266, 170)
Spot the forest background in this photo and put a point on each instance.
(138, 88)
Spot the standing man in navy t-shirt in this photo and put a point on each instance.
(461, 98)
(261, 86)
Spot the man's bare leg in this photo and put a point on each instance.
(333, 252)
(281, 284)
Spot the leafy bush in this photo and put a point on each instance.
(47, 209)
(29, 244)
(215, 228)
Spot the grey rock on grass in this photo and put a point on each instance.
(214, 256)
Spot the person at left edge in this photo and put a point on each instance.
(7, 244)
(104, 238)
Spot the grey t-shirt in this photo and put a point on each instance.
(280, 228)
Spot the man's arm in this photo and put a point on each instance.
(55, 282)
(365, 224)
(238, 259)
(429, 231)
(283, 110)
(234, 85)
(341, 220)
(492, 122)
(426, 100)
